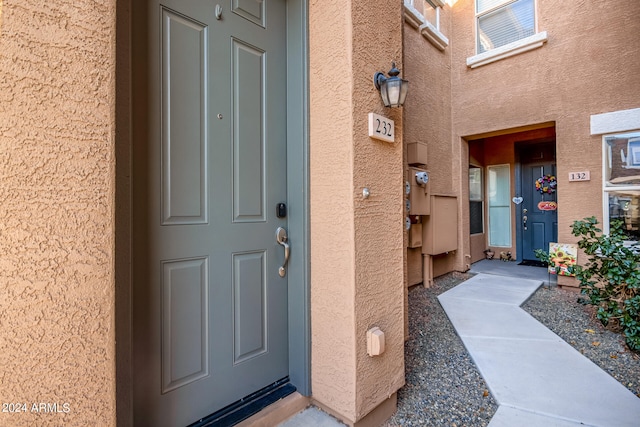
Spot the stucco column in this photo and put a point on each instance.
(356, 242)
(57, 105)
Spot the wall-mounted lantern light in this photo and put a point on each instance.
(393, 89)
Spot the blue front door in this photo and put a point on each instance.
(538, 210)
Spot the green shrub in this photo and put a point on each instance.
(611, 278)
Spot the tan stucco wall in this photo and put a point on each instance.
(427, 119)
(427, 112)
(56, 233)
(356, 243)
(586, 67)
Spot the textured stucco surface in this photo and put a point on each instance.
(356, 243)
(56, 217)
(379, 220)
(427, 112)
(331, 211)
(427, 119)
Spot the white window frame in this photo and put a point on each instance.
(437, 6)
(417, 20)
(537, 40)
(606, 189)
(508, 205)
(606, 125)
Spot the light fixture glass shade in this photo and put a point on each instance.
(393, 89)
(384, 93)
(394, 86)
(403, 91)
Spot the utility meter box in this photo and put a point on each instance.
(419, 194)
(417, 153)
(440, 229)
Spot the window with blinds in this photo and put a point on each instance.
(500, 22)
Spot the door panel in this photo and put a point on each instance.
(251, 10)
(184, 113)
(209, 307)
(248, 140)
(185, 307)
(249, 304)
(538, 234)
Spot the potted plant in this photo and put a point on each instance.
(488, 253)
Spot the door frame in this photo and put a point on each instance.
(298, 195)
(518, 193)
(297, 200)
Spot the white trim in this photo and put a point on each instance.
(488, 205)
(492, 8)
(432, 34)
(427, 29)
(411, 14)
(436, 3)
(613, 120)
(605, 212)
(616, 121)
(520, 46)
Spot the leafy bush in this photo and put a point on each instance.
(611, 278)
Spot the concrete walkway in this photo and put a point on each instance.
(312, 417)
(513, 269)
(536, 377)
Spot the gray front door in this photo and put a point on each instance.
(209, 304)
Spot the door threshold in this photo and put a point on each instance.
(532, 263)
(278, 412)
(247, 406)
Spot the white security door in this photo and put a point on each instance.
(209, 297)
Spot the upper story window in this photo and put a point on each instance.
(424, 15)
(500, 22)
(431, 12)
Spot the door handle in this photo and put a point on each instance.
(282, 239)
(524, 221)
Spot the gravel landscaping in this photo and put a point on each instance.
(560, 311)
(443, 386)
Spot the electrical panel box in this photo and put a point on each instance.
(417, 153)
(440, 229)
(419, 193)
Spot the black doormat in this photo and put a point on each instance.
(250, 405)
(533, 263)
